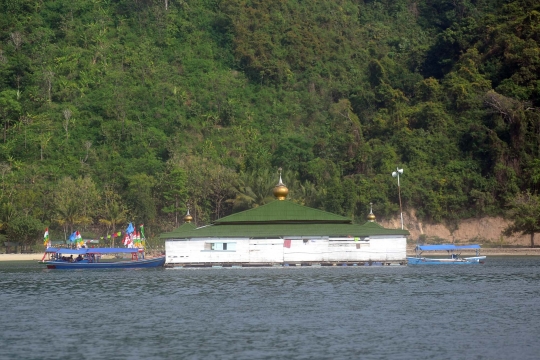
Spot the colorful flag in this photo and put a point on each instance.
(128, 241)
(46, 237)
(142, 231)
(130, 228)
(72, 236)
(78, 239)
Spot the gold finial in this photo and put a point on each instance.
(280, 190)
(371, 216)
(188, 218)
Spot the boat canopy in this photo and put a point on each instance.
(448, 247)
(93, 251)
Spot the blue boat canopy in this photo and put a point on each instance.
(448, 247)
(93, 251)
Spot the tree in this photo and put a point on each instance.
(67, 216)
(140, 197)
(9, 108)
(175, 192)
(113, 214)
(75, 202)
(220, 180)
(525, 213)
(6, 214)
(25, 229)
(253, 189)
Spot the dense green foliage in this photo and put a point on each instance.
(134, 110)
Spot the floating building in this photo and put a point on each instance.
(282, 233)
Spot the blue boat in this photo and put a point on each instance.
(454, 258)
(91, 258)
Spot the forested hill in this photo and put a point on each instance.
(133, 110)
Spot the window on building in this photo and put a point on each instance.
(220, 246)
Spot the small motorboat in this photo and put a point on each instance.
(454, 259)
(91, 258)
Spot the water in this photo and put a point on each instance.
(489, 311)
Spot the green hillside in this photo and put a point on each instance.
(133, 110)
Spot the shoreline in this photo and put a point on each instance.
(410, 252)
(483, 251)
(21, 257)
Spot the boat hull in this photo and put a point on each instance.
(132, 264)
(461, 261)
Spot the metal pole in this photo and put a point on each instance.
(399, 195)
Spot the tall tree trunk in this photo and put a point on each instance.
(113, 234)
(532, 239)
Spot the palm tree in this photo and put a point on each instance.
(114, 214)
(253, 189)
(6, 213)
(304, 193)
(67, 216)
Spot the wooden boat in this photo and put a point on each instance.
(454, 259)
(91, 258)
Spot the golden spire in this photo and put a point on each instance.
(280, 190)
(371, 216)
(188, 218)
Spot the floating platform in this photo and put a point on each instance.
(295, 264)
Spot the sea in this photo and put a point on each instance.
(489, 311)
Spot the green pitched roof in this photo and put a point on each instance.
(284, 230)
(182, 228)
(281, 218)
(282, 211)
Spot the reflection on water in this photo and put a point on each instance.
(488, 311)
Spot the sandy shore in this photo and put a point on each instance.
(20, 257)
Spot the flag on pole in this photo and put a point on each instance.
(78, 239)
(142, 231)
(128, 241)
(130, 228)
(46, 237)
(142, 237)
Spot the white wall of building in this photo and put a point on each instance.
(266, 250)
(314, 249)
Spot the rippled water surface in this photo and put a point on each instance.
(489, 311)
